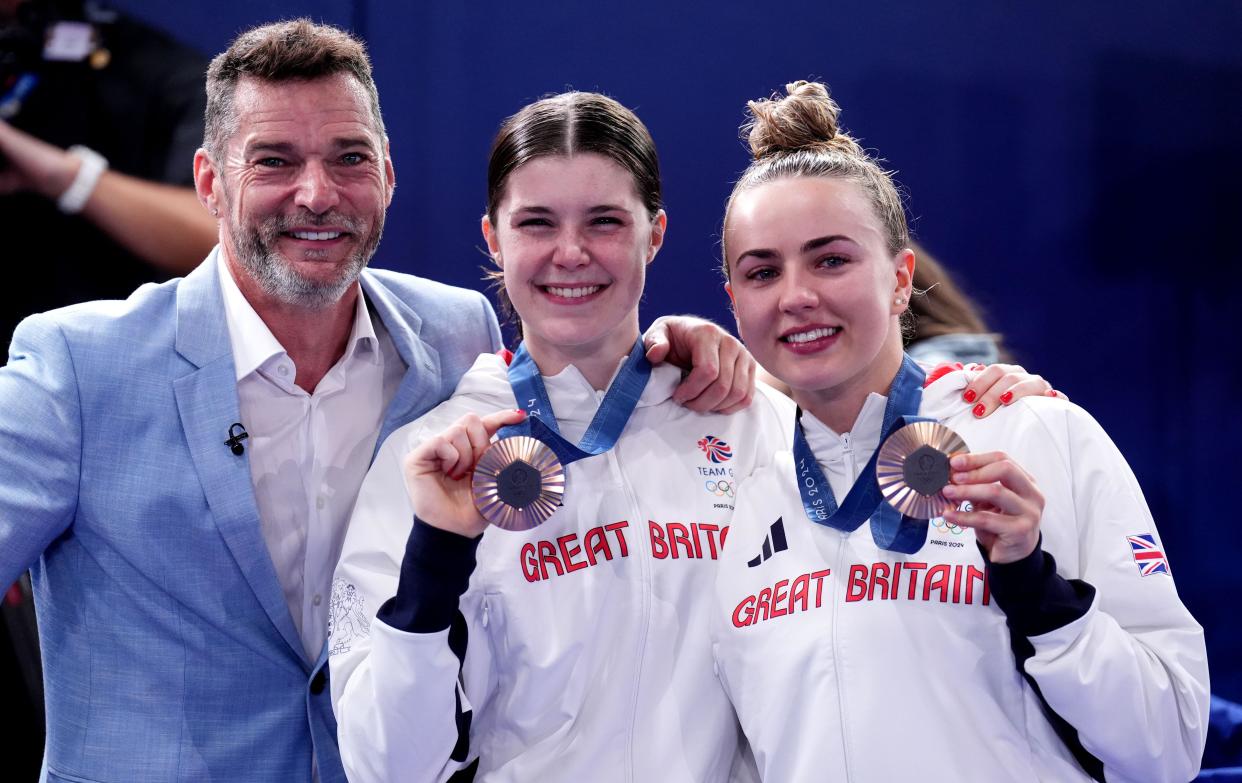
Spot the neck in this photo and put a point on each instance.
(315, 339)
(838, 406)
(596, 361)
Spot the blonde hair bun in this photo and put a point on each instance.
(805, 119)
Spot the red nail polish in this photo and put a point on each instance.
(1007, 397)
(978, 410)
(969, 395)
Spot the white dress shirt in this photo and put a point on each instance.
(308, 452)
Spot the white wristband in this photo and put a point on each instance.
(79, 191)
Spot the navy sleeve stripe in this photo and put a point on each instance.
(1037, 600)
(434, 574)
(1034, 597)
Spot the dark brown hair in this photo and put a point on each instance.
(568, 124)
(277, 52)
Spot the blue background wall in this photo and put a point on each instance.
(1077, 166)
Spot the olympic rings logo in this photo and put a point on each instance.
(719, 488)
(940, 523)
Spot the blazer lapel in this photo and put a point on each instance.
(207, 403)
(420, 388)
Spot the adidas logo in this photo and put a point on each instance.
(774, 542)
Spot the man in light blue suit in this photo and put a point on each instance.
(181, 619)
(177, 469)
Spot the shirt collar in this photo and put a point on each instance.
(864, 435)
(571, 393)
(254, 344)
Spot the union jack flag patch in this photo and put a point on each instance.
(1147, 556)
(716, 449)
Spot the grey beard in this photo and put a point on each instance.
(277, 279)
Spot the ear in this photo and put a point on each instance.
(205, 182)
(904, 280)
(493, 242)
(728, 287)
(658, 227)
(390, 174)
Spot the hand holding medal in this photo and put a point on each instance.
(1006, 504)
(439, 472)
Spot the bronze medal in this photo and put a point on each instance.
(913, 467)
(518, 483)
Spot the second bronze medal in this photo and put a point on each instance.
(913, 466)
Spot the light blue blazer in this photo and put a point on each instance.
(168, 651)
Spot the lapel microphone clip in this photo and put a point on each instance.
(237, 433)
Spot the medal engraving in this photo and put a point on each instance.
(913, 466)
(518, 483)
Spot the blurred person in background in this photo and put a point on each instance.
(99, 119)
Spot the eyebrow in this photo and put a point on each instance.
(765, 253)
(599, 209)
(818, 242)
(287, 148)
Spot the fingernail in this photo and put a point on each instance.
(1051, 393)
(958, 461)
(1007, 398)
(978, 410)
(969, 395)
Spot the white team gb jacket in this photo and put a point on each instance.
(849, 663)
(586, 653)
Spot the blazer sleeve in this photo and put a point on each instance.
(404, 701)
(40, 444)
(1130, 674)
(493, 326)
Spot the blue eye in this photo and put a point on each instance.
(833, 261)
(762, 273)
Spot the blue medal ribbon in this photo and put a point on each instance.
(605, 428)
(890, 528)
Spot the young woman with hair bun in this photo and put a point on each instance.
(1038, 636)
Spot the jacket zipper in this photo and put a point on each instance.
(847, 453)
(643, 549)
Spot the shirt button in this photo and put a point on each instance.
(317, 600)
(283, 369)
(320, 502)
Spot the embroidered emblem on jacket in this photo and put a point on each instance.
(347, 617)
